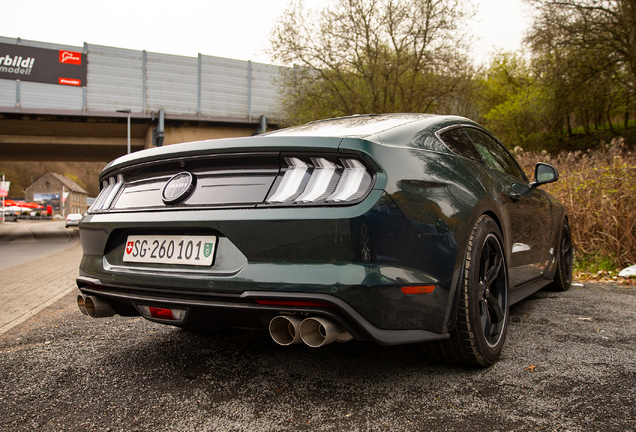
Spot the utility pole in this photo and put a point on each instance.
(127, 111)
(2, 219)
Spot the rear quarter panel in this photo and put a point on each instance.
(442, 196)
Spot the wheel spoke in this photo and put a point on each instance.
(486, 321)
(485, 260)
(493, 272)
(495, 307)
(565, 247)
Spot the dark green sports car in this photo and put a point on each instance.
(397, 228)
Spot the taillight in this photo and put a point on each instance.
(110, 188)
(293, 179)
(318, 180)
(162, 313)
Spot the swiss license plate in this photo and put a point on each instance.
(170, 249)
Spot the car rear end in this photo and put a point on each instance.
(274, 231)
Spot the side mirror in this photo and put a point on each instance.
(544, 174)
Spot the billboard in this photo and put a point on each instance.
(38, 197)
(42, 65)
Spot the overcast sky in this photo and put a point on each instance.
(235, 29)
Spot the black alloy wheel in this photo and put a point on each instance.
(565, 259)
(482, 317)
(493, 291)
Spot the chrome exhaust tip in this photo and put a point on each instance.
(81, 304)
(97, 308)
(321, 331)
(285, 329)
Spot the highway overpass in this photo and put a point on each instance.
(66, 103)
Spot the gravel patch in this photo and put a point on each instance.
(569, 364)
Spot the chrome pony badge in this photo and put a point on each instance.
(178, 188)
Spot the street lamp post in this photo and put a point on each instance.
(127, 111)
(2, 219)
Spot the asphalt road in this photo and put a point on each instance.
(569, 365)
(26, 241)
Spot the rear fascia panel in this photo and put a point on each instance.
(314, 250)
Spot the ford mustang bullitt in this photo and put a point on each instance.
(397, 228)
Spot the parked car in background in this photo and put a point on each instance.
(398, 229)
(73, 219)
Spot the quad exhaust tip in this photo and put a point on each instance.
(94, 306)
(81, 304)
(285, 329)
(314, 331)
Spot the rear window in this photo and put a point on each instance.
(351, 126)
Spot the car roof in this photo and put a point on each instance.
(354, 126)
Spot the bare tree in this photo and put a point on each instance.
(591, 48)
(372, 56)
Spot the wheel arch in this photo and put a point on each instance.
(488, 207)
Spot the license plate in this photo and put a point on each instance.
(170, 249)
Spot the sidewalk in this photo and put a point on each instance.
(26, 289)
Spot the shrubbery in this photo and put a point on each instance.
(598, 188)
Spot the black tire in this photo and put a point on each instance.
(565, 258)
(482, 316)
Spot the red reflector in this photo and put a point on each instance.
(161, 313)
(424, 289)
(293, 303)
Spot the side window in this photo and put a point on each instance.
(460, 143)
(494, 154)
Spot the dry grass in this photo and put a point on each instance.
(598, 188)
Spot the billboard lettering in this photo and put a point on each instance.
(42, 65)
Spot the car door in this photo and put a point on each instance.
(529, 210)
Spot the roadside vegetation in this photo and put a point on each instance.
(598, 189)
(568, 98)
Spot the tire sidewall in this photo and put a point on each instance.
(562, 283)
(484, 228)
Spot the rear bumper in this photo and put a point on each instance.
(243, 310)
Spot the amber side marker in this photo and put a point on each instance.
(423, 289)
